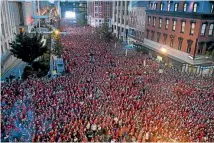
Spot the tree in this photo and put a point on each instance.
(28, 48)
(106, 31)
(210, 53)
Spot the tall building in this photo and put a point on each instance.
(120, 19)
(98, 12)
(137, 20)
(186, 25)
(16, 17)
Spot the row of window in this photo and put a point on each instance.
(99, 9)
(171, 44)
(123, 12)
(104, 14)
(120, 21)
(100, 3)
(183, 23)
(119, 3)
(185, 6)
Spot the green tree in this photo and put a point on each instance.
(210, 53)
(28, 48)
(105, 31)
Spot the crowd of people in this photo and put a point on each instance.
(107, 96)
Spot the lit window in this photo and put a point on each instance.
(176, 7)
(149, 20)
(203, 29)
(168, 6)
(161, 6)
(182, 27)
(155, 6)
(211, 29)
(212, 8)
(167, 24)
(192, 28)
(160, 22)
(150, 6)
(174, 25)
(185, 7)
(154, 18)
(195, 7)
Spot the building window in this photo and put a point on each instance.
(123, 3)
(149, 20)
(123, 21)
(158, 37)
(183, 26)
(212, 8)
(154, 20)
(115, 3)
(167, 24)
(203, 29)
(192, 28)
(176, 7)
(195, 7)
(123, 12)
(155, 6)
(153, 34)
(168, 6)
(115, 27)
(150, 5)
(211, 29)
(147, 36)
(165, 37)
(185, 7)
(180, 41)
(161, 6)
(174, 25)
(171, 40)
(189, 46)
(160, 22)
(119, 3)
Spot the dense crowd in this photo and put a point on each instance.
(108, 96)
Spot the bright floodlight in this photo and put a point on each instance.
(70, 14)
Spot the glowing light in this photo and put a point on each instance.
(70, 14)
(163, 50)
(56, 32)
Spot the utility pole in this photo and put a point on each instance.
(39, 15)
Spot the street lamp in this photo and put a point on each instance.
(56, 32)
(163, 50)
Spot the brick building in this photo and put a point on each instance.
(183, 25)
(98, 11)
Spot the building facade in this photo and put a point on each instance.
(16, 17)
(79, 7)
(183, 25)
(137, 17)
(120, 19)
(98, 12)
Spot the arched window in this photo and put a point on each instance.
(185, 7)
(155, 6)
(161, 6)
(168, 6)
(195, 5)
(176, 7)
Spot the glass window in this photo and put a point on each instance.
(168, 6)
(167, 24)
(212, 8)
(161, 6)
(174, 25)
(183, 26)
(185, 7)
(192, 28)
(160, 22)
(149, 20)
(176, 7)
(155, 6)
(195, 7)
(154, 20)
(211, 29)
(203, 28)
